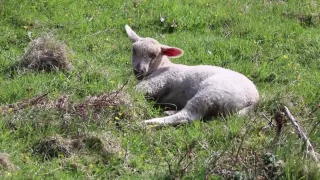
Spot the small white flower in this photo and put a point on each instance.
(162, 19)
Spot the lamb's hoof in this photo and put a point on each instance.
(149, 122)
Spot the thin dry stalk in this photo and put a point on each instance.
(270, 124)
(310, 150)
(28, 102)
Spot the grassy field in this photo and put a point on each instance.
(274, 43)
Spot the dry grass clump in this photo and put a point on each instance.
(56, 146)
(104, 143)
(5, 163)
(38, 101)
(46, 53)
(91, 107)
(98, 104)
(266, 166)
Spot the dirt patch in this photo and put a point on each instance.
(56, 146)
(5, 162)
(46, 53)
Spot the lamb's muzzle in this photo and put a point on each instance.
(197, 91)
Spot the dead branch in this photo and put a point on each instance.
(269, 120)
(310, 150)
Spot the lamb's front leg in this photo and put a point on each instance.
(182, 117)
(153, 87)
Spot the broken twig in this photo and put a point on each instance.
(310, 150)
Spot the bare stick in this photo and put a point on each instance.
(121, 89)
(310, 149)
(270, 124)
(270, 121)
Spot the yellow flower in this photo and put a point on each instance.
(299, 77)
(158, 151)
(25, 27)
(116, 118)
(285, 56)
(60, 155)
(120, 153)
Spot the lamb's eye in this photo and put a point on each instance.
(152, 55)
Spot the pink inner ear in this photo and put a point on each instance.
(171, 52)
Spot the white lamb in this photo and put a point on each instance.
(197, 91)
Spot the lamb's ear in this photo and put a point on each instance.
(132, 35)
(171, 52)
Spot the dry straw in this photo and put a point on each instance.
(46, 53)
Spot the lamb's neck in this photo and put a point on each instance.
(161, 63)
(165, 62)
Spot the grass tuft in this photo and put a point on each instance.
(46, 53)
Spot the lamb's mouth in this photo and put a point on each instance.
(139, 75)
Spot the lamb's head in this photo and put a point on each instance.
(148, 54)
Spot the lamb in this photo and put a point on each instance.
(196, 91)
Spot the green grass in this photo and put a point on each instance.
(274, 43)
